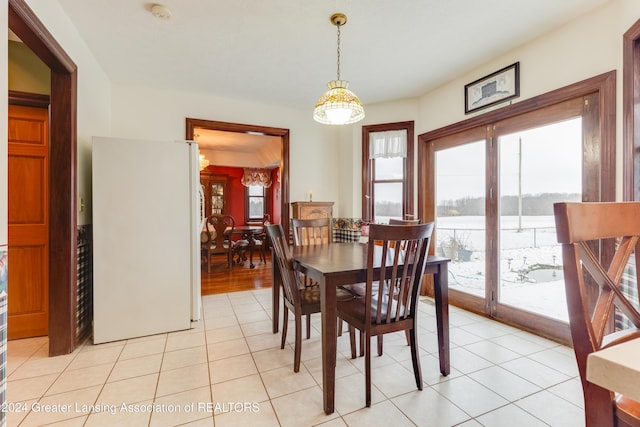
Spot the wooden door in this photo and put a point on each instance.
(28, 291)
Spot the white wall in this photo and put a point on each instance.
(323, 158)
(144, 113)
(94, 98)
(586, 47)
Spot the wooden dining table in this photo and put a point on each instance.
(247, 232)
(346, 263)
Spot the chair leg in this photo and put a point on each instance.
(367, 370)
(352, 341)
(339, 327)
(361, 343)
(407, 335)
(415, 357)
(285, 323)
(308, 326)
(298, 344)
(379, 339)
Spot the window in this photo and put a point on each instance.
(255, 206)
(490, 183)
(387, 171)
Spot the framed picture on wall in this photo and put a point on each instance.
(493, 89)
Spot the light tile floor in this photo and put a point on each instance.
(230, 371)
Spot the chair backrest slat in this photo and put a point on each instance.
(400, 252)
(218, 225)
(316, 231)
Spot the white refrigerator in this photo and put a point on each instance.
(147, 218)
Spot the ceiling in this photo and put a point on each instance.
(239, 149)
(283, 52)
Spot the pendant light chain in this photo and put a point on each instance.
(338, 50)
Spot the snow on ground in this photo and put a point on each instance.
(531, 276)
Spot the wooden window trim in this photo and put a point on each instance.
(265, 201)
(604, 84)
(597, 94)
(368, 171)
(631, 112)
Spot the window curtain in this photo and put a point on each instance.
(392, 143)
(261, 177)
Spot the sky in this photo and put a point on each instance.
(551, 162)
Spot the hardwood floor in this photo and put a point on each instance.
(239, 278)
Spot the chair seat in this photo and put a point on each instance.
(628, 410)
(310, 295)
(357, 289)
(215, 240)
(354, 309)
(224, 246)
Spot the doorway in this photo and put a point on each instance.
(193, 125)
(62, 175)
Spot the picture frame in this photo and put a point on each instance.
(492, 89)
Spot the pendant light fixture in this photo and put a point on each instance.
(338, 106)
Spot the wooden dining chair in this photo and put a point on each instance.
(300, 299)
(260, 241)
(598, 242)
(395, 221)
(217, 239)
(315, 231)
(402, 250)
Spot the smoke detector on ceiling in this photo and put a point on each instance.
(160, 11)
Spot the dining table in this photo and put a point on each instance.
(248, 233)
(338, 264)
(617, 368)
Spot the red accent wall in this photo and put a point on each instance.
(237, 192)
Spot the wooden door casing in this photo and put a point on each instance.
(28, 172)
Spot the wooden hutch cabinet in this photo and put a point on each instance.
(216, 193)
(311, 210)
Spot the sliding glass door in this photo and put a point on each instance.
(538, 166)
(461, 220)
(491, 187)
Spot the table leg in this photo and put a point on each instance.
(251, 246)
(275, 294)
(441, 292)
(329, 344)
